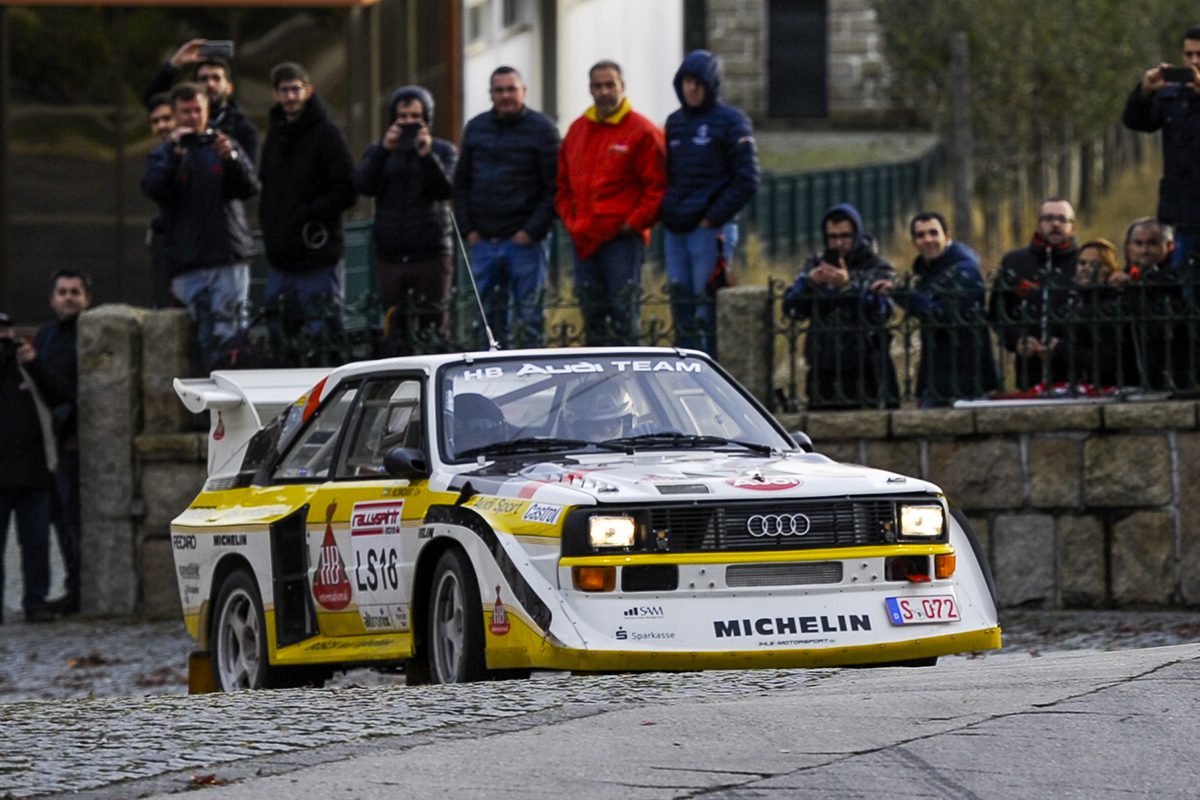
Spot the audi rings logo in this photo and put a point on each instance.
(761, 525)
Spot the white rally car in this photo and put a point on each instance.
(479, 515)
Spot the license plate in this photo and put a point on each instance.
(918, 610)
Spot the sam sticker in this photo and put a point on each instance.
(544, 513)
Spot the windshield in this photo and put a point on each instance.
(574, 403)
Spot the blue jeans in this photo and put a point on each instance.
(503, 267)
(33, 508)
(306, 304)
(690, 260)
(215, 297)
(609, 288)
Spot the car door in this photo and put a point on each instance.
(360, 517)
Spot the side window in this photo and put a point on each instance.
(388, 416)
(311, 456)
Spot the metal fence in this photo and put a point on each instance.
(1090, 342)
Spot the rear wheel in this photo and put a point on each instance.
(239, 635)
(455, 630)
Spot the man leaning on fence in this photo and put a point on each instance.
(307, 178)
(947, 296)
(1032, 294)
(1161, 101)
(504, 200)
(844, 295)
(611, 178)
(408, 173)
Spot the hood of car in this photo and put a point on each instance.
(609, 478)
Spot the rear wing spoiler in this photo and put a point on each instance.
(240, 402)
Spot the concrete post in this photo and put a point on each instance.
(110, 416)
(746, 335)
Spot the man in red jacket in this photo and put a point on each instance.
(611, 178)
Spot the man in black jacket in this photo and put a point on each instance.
(27, 460)
(408, 173)
(216, 76)
(1174, 108)
(199, 178)
(504, 188)
(56, 349)
(307, 179)
(1031, 297)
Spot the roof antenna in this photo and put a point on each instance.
(492, 343)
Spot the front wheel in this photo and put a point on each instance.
(239, 641)
(455, 622)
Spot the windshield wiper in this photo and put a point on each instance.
(529, 444)
(677, 439)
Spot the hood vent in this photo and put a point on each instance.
(682, 488)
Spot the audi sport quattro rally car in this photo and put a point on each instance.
(478, 515)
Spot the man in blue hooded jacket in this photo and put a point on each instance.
(844, 294)
(712, 172)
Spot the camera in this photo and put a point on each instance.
(408, 134)
(8, 348)
(1178, 74)
(198, 139)
(217, 49)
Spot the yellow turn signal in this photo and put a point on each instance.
(943, 566)
(594, 579)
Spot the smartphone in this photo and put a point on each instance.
(217, 48)
(832, 257)
(1178, 74)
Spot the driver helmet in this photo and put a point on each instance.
(599, 410)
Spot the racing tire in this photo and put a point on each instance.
(455, 629)
(239, 636)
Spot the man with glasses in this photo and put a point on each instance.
(216, 76)
(1031, 297)
(1168, 99)
(844, 294)
(504, 187)
(307, 178)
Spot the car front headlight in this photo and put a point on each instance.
(922, 522)
(611, 531)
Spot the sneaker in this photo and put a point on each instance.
(65, 606)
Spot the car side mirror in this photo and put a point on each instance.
(803, 441)
(406, 462)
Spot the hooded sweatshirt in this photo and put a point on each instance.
(412, 212)
(712, 159)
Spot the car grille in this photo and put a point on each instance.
(797, 574)
(831, 523)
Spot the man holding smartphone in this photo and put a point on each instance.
(408, 173)
(1168, 99)
(844, 293)
(210, 62)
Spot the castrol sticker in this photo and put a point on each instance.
(760, 483)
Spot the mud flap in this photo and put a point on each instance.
(201, 679)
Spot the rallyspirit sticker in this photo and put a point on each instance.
(331, 588)
(499, 625)
(759, 483)
(376, 517)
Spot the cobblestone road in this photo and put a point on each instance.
(71, 723)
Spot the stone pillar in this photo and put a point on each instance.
(745, 336)
(166, 340)
(110, 416)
